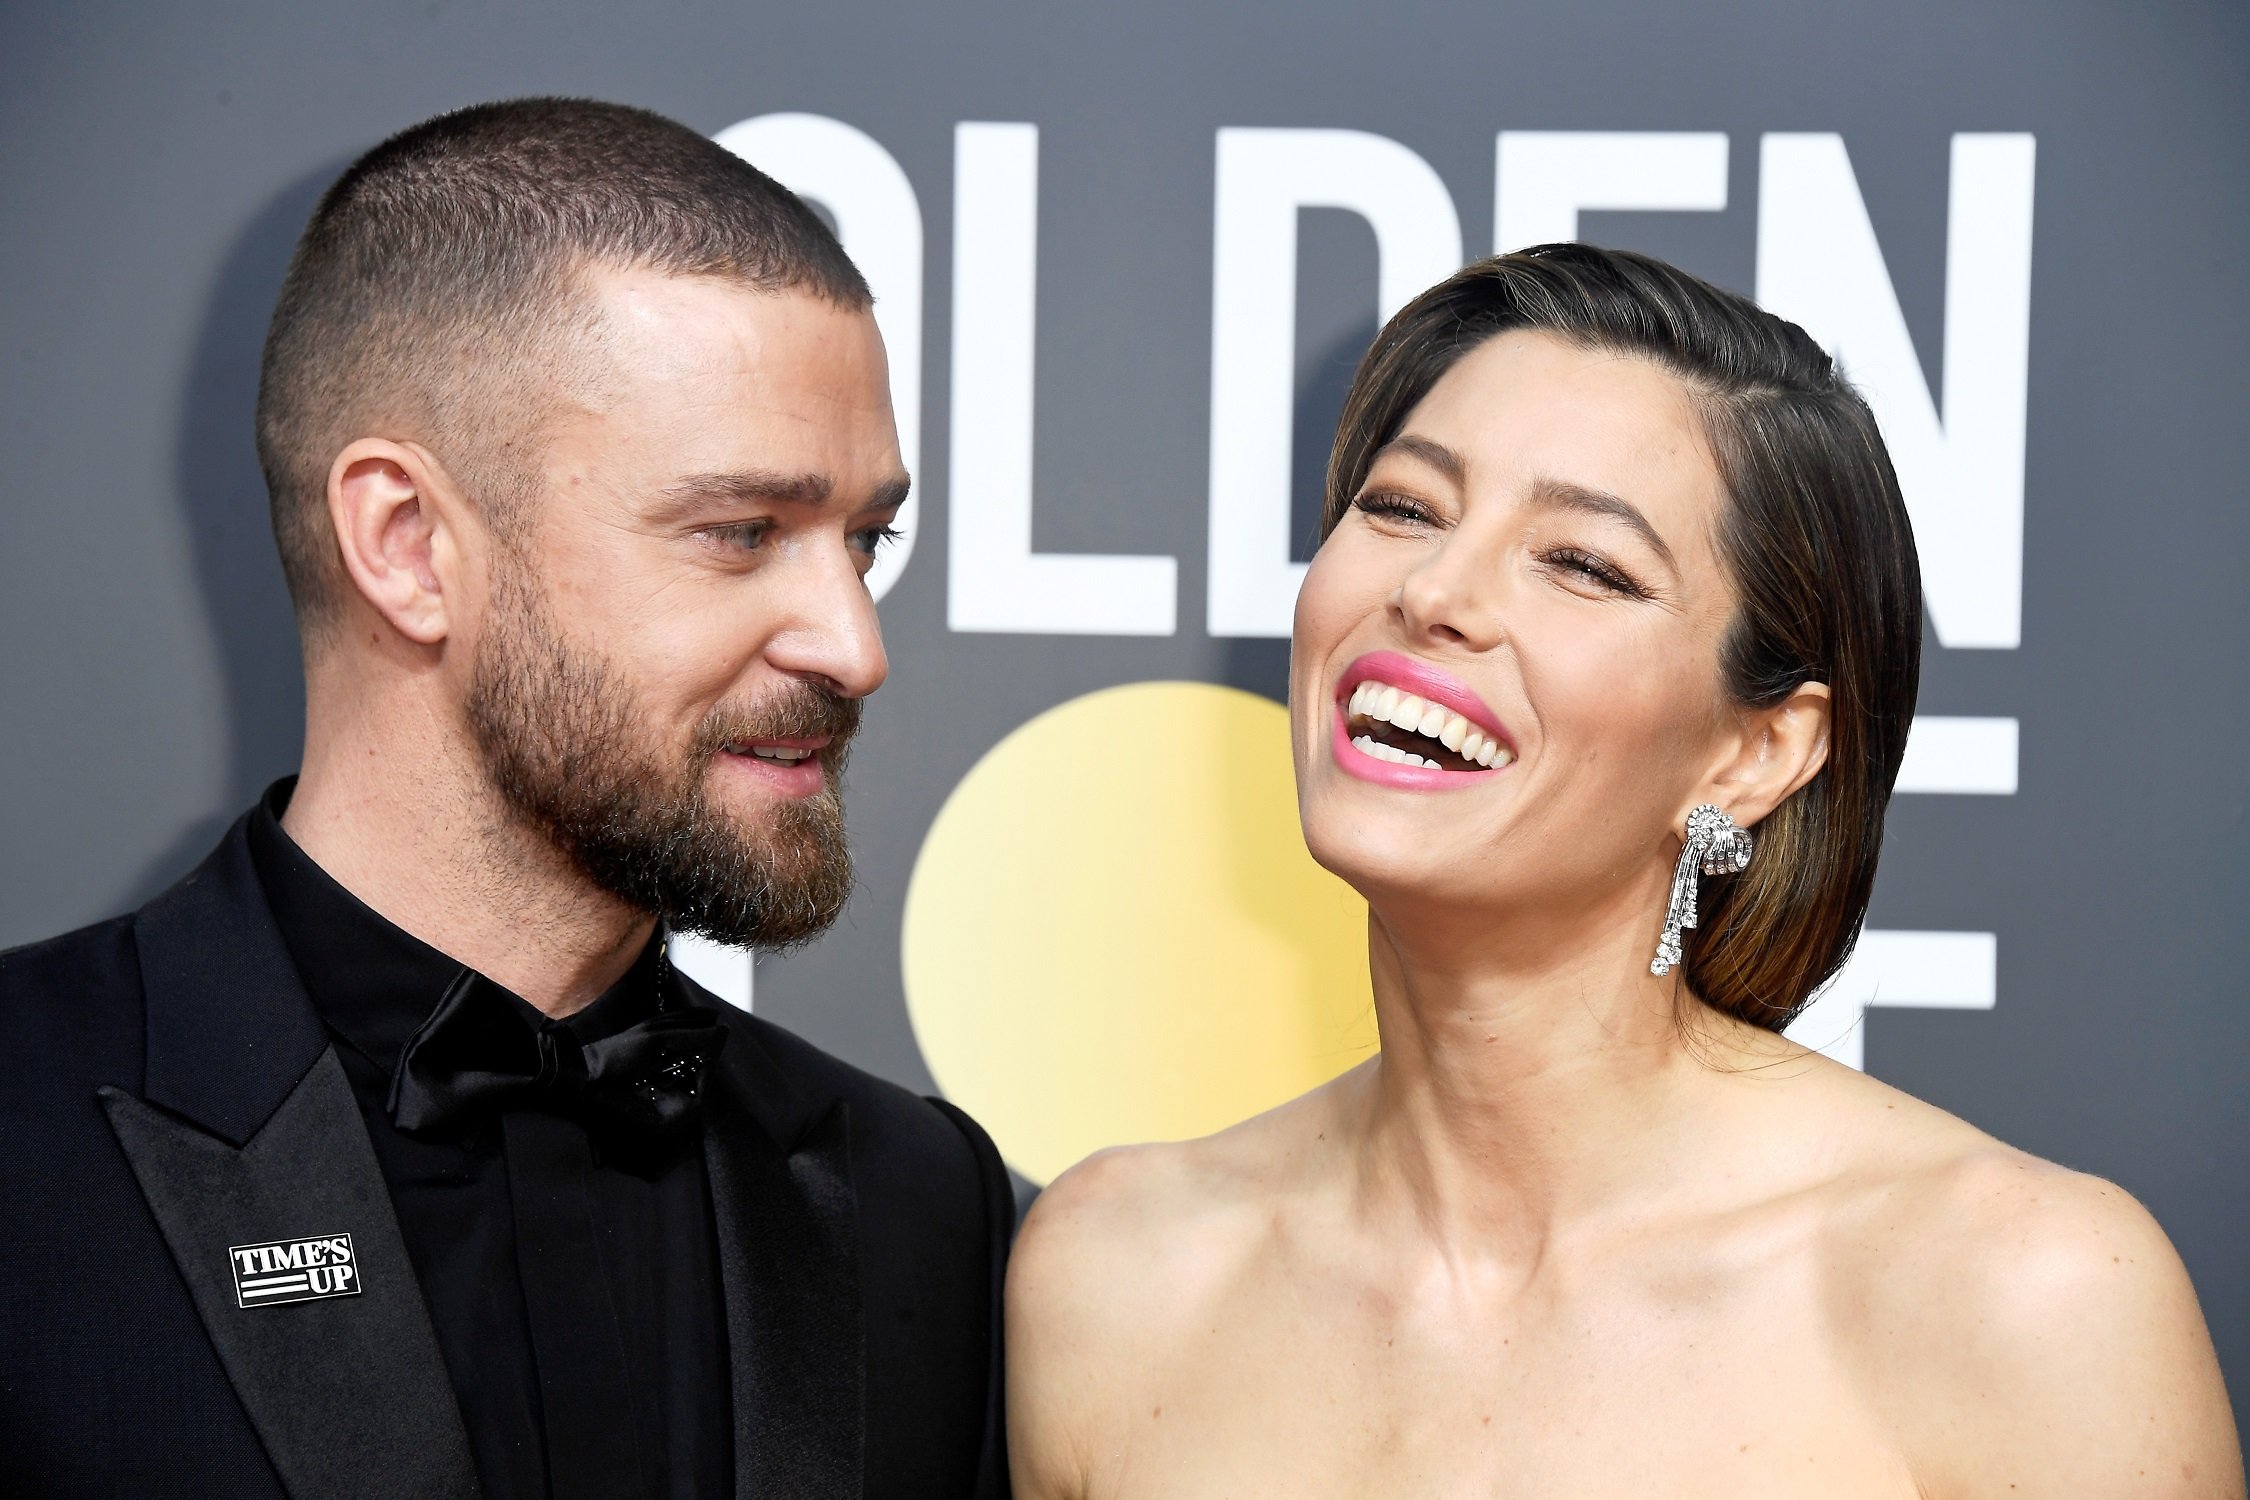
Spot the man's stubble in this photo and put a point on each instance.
(564, 745)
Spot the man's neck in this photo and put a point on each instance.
(413, 829)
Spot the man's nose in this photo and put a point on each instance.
(832, 631)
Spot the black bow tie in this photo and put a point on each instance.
(477, 1052)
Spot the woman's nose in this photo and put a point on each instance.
(1452, 598)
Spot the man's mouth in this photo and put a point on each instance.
(796, 766)
(1393, 725)
(786, 754)
(791, 743)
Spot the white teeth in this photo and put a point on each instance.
(1368, 745)
(1382, 703)
(777, 752)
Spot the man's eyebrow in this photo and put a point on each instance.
(1561, 494)
(701, 493)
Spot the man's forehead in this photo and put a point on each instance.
(736, 378)
(680, 342)
(645, 302)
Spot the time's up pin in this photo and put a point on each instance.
(294, 1270)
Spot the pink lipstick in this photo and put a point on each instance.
(1404, 723)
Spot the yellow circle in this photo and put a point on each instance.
(1114, 932)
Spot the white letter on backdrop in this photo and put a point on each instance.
(1973, 757)
(880, 223)
(1925, 970)
(1264, 177)
(996, 582)
(1545, 178)
(1819, 263)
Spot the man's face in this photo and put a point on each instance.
(678, 632)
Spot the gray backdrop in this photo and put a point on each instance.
(155, 164)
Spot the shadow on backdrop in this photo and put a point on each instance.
(222, 498)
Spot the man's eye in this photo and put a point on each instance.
(875, 538)
(742, 536)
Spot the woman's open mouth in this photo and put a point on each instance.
(1404, 723)
(1407, 730)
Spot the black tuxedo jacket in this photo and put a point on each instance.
(168, 1093)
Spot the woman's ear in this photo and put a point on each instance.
(395, 513)
(1782, 747)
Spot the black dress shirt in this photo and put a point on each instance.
(576, 1300)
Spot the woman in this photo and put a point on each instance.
(1601, 678)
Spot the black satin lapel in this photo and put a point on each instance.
(230, 1031)
(789, 1262)
(348, 1394)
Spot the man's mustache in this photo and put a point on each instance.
(801, 711)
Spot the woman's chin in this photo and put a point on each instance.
(1393, 868)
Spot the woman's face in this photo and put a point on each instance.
(1532, 560)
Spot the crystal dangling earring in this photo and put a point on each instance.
(1715, 845)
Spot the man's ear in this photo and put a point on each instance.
(1781, 747)
(397, 517)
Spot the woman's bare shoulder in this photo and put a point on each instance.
(1113, 1273)
(2025, 1324)
(1159, 1224)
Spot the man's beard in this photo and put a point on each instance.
(563, 747)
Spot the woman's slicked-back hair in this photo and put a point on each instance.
(1815, 536)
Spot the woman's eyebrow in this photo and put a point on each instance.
(1429, 451)
(1547, 493)
(1561, 494)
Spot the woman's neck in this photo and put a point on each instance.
(1527, 1088)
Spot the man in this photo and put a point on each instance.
(385, 1155)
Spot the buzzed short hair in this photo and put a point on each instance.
(437, 293)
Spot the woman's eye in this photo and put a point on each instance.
(1392, 507)
(875, 538)
(1594, 570)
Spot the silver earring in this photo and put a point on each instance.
(1715, 846)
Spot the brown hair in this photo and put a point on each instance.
(435, 293)
(1815, 535)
